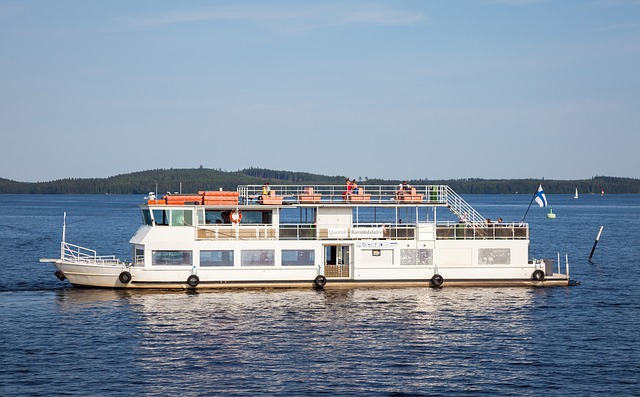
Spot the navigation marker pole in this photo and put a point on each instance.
(595, 243)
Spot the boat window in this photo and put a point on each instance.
(146, 217)
(298, 216)
(171, 258)
(248, 217)
(257, 258)
(200, 216)
(139, 256)
(211, 217)
(257, 217)
(298, 257)
(216, 258)
(161, 217)
(181, 217)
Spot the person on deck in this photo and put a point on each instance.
(266, 190)
(403, 188)
(346, 193)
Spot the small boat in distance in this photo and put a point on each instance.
(318, 236)
(575, 196)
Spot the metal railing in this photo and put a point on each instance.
(367, 194)
(502, 231)
(77, 254)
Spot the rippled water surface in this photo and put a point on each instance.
(583, 340)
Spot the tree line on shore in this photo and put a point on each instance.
(198, 179)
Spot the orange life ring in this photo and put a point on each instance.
(235, 216)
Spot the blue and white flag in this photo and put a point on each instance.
(541, 199)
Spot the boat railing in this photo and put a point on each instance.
(446, 230)
(367, 194)
(77, 254)
(494, 231)
(465, 212)
(337, 194)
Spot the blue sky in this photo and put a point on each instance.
(375, 89)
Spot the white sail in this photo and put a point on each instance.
(576, 195)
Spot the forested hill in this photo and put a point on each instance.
(196, 179)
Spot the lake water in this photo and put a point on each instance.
(564, 341)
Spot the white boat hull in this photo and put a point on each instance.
(100, 276)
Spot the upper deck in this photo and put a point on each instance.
(332, 195)
(323, 211)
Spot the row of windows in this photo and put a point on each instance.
(226, 258)
(303, 216)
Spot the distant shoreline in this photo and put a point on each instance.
(197, 179)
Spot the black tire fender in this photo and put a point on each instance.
(125, 277)
(437, 280)
(60, 275)
(320, 281)
(537, 275)
(193, 281)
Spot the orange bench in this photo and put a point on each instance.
(359, 197)
(271, 198)
(409, 197)
(309, 196)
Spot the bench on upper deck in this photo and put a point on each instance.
(409, 196)
(271, 198)
(359, 197)
(309, 196)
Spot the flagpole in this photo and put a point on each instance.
(531, 202)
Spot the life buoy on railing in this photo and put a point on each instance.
(437, 280)
(320, 281)
(235, 216)
(538, 275)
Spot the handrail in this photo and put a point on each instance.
(465, 212)
(336, 194)
(77, 254)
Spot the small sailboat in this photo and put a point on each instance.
(602, 192)
(575, 196)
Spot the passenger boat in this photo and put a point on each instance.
(314, 237)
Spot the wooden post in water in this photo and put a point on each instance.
(595, 243)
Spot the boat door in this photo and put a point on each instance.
(337, 261)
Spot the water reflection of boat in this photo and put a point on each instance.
(313, 236)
